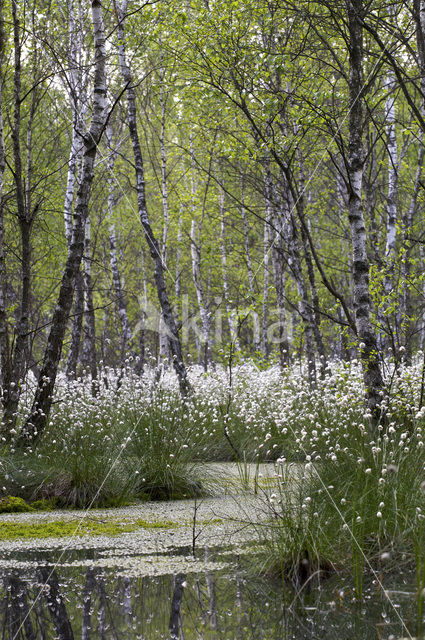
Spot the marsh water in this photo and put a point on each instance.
(197, 580)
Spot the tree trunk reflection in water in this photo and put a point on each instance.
(56, 604)
(127, 604)
(176, 603)
(20, 624)
(87, 604)
(212, 611)
(102, 608)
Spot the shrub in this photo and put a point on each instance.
(13, 504)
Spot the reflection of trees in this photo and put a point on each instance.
(176, 604)
(17, 619)
(93, 604)
(101, 616)
(210, 580)
(55, 603)
(209, 609)
(87, 603)
(127, 603)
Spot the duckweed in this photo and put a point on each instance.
(91, 527)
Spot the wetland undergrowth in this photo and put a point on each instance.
(358, 503)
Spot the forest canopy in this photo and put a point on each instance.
(188, 183)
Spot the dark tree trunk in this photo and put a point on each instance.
(77, 328)
(4, 334)
(56, 604)
(174, 340)
(20, 608)
(37, 419)
(17, 371)
(362, 302)
(176, 604)
(89, 342)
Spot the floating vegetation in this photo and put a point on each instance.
(75, 528)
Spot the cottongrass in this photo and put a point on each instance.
(355, 505)
(138, 438)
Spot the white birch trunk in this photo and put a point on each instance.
(246, 236)
(119, 293)
(316, 318)
(390, 245)
(362, 302)
(294, 263)
(37, 419)
(266, 270)
(120, 300)
(163, 339)
(89, 343)
(202, 341)
(174, 340)
(178, 282)
(4, 339)
(79, 106)
(251, 280)
(233, 329)
(195, 241)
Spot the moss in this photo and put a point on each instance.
(12, 504)
(66, 528)
(46, 504)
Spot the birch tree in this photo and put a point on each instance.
(42, 403)
(361, 295)
(4, 333)
(153, 244)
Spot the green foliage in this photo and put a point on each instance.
(66, 528)
(13, 504)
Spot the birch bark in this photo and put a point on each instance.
(195, 250)
(293, 250)
(163, 338)
(195, 245)
(274, 225)
(4, 334)
(300, 206)
(390, 246)
(42, 403)
(17, 370)
(362, 302)
(79, 105)
(120, 300)
(154, 249)
(89, 342)
(233, 329)
(407, 304)
(77, 327)
(266, 250)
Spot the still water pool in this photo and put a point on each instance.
(196, 578)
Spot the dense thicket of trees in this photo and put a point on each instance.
(178, 181)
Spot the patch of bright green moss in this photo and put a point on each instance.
(64, 528)
(44, 504)
(12, 504)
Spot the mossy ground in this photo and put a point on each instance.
(13, 504)
(88, 526)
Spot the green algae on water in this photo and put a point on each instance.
(91, 527)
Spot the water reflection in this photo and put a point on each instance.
(43, 602)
